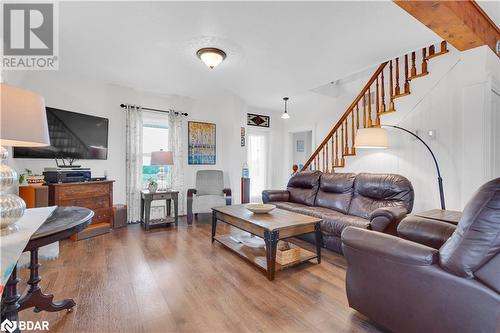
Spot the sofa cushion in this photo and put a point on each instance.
(303, 187)
(372, 191)
(477, 237)
(335, 222)
(292, 206)
(335, 191)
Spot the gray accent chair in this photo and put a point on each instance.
(209, 193)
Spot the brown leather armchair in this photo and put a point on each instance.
(409, 287)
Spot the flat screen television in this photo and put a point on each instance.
(72, 136)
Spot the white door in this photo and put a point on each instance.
(258, 163)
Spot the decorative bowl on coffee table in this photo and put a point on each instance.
(259, 208)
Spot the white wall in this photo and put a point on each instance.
(300, 157)
(82, 96)
(228, 112)
(456, 100)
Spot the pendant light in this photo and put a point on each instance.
(211, 56)
(285, 114)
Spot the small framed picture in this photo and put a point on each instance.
(300, 146)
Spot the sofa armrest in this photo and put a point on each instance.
(227, 192)
(425, 231)
(388, 247)
(383, 217)
(275, 195)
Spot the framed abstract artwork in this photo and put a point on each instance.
(201, 143)
(258, 120)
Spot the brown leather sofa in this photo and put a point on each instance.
(409, 287)
(368, 201)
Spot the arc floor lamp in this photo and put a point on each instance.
(376, 137)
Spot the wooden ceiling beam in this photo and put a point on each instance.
(461, 23)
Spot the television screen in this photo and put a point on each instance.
(72, 136)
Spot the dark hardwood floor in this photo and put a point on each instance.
(175, 280)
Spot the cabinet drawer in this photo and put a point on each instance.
(83, 191)
(162, 196)
(101, 215)
(91, 203)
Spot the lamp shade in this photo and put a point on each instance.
(373, 137)
(162, 158)
(23, 121)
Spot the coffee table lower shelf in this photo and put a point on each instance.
(257, 255)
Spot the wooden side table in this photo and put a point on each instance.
(448, 216)
(147, 198)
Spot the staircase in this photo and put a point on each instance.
(375, 100)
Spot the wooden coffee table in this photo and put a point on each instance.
(277, 225)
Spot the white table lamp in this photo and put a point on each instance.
(162, 158)
(23, 123)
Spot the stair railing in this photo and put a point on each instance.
(375, 99)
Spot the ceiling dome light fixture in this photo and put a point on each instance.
(211, 56)
(285, 114)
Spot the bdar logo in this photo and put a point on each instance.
(8, 326)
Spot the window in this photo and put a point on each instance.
(154, 138)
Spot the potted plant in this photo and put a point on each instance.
(22, 176)
(152, 185)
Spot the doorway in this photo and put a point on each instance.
(258, 162)
(301, 148)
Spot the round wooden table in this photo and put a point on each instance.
(64, 222)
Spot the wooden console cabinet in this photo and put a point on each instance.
(97, 196)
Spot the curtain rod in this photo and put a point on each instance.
(123, 106)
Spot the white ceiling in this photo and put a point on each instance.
(274, 48)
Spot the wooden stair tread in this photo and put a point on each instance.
(418, 76)
(400, 95)
(436, 54)
(387, 112)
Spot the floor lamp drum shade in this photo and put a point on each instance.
(373, 137)
(23, 118)
(162, 158)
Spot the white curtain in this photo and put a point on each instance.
(134, 163)
(175, 145)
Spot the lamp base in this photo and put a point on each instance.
(12, 207)
(162, 186)
(9, 230)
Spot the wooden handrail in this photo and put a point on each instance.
(342, 142)
(345, 115)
